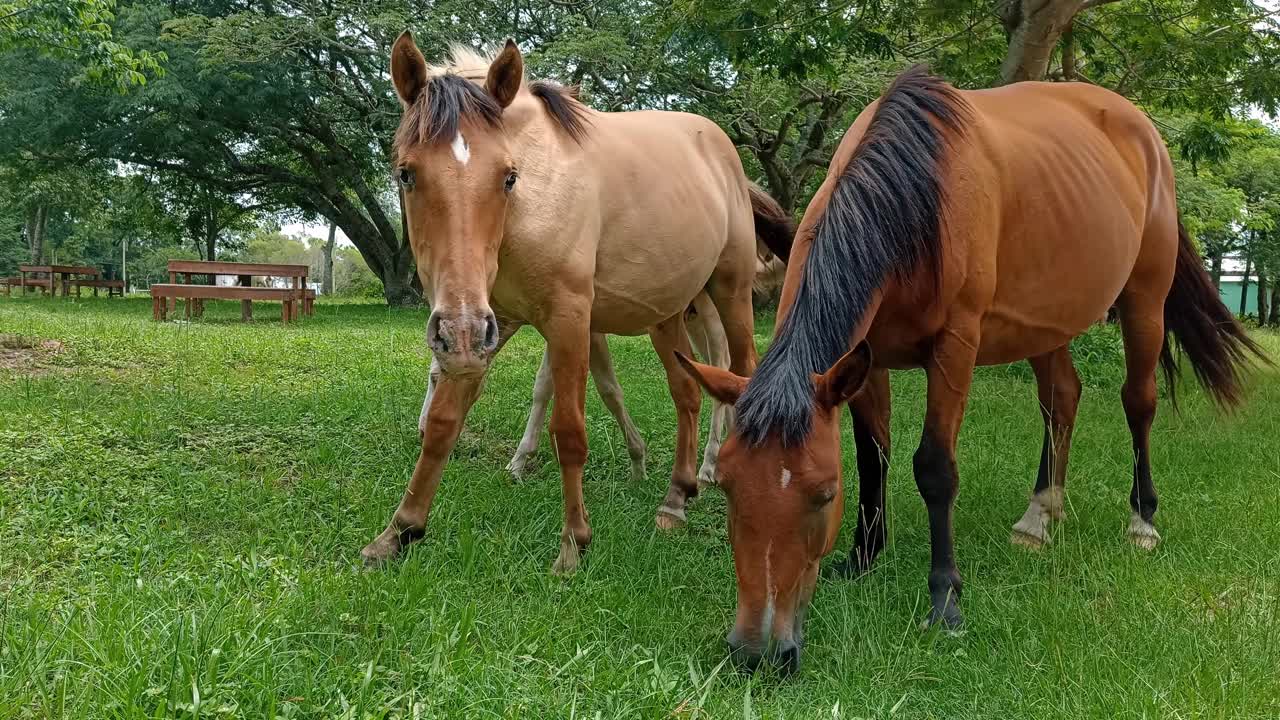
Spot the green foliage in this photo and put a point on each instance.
(285, 107)
(80, 30)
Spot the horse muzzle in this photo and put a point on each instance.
(463, 340)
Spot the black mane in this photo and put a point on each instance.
(564, 107)
(882, 219)
(437, 113)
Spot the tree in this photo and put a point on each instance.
(80, 30)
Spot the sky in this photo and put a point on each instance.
(315, 231)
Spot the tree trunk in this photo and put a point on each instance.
(1274, 321)
(1069, 54)
(210, 234)
(1244, 285)
(1262, 299)
(326, 275)
(1216, 269)
(29, 233)
(1034, 27)
(37, 221)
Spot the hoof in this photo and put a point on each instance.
(1027, 540)
(638, 472)
(516, 467)
(1032, 530)
(568, 562)
(707, 477)
(670, 518)
(1142, 533)
(390, 543)
(847, 569)
(949, 620)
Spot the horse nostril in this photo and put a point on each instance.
(490, 332)
(435, 340)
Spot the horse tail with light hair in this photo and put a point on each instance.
(1204, 330)
(774, 226)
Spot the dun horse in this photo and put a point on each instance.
(954, 229)
(526, 207)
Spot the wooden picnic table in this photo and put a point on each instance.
(295, 299)
(54, 275)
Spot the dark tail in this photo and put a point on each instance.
(1205, 331)
(774, 226)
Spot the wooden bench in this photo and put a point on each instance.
(299, 301)
(45, 284)
(113, 287)
(162, 292)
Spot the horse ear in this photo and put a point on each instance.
(506, 74)
(408, 69)
(718, 382)
(838, 385)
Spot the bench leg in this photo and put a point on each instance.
(285, 310)
(246, 310)
(155, 308)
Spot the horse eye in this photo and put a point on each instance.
(406, 178)
(824, 496)
(511, 181)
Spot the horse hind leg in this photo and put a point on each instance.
(542, 389)
(1058, 387)
(1142, 323)
(668, 337)
(707, 334)
(610, 391)
(730, 291)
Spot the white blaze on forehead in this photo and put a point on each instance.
(460, 149)
(785, 480)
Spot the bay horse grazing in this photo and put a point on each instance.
(524, 206)
(954, 229)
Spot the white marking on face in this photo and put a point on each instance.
(460, 149)
(785, 480)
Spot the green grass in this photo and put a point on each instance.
(182, 507)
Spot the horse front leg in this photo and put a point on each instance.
(950, 373)
(870, 410)
(451, 399)
(568, 341)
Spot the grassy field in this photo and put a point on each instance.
(182, 507)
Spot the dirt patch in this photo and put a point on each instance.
(30, 356)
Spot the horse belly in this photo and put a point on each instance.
(1038, 312)
(632, 297)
